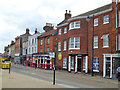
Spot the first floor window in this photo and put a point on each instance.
(72, 63)
(40, 50)
(59, 46)
(41, 42)
(48, 50)
(96, 22)
(95, 41)
(64, 62)
(74, 43)
(96, 64)
(106, 19)
(65, 45)
(84, 63)
(48, 40)
(59, 32)
(65, 30)
(105, 40)
(119, 42)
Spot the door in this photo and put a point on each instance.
(108, 67)
(79, 65)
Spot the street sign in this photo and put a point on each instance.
(52, 54)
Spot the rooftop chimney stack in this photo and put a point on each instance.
(35, 30)
(68, 15)
(48, 27)
(27, 31)
(12, 42)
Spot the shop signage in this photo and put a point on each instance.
(59, 56)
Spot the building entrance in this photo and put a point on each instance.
(79, 65)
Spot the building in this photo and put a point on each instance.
(32, 47)
(46, 44)
(19, 40)
(12, 51)
(6, 51)
(75, 42)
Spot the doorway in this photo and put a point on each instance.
(108, 66)
(79, 65)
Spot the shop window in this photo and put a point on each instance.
(64, 62)
(41, 60)
(96, 64)
(48, 61)
(84, 63)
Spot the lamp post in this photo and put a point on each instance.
(88, 18)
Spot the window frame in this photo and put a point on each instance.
(95, 63)
(59, 46)
(95, 41)
(65, 62)
(60, 30)
(74, 25)
(96, 22)
(106, 19)
(65, 46)
(104, 39)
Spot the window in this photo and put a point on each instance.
(74, 25)
(96, 64)
(72, 62)
(35, 49)
(59, 46)
(119, 18)
(95, 41)
(64, 62)
(96, 22)
(41, 42)
(48, 40)
(74, 43)
(64, 45)
(65, 30)
(105, 40)
(48, 50)
(32, 49)
(32, 41)
(106, 19)
(84, 63)
(59, 31)
(119, 42)
(29, 50)
(40, 50)
(35, 40)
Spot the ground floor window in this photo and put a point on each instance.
(72, 63)
(84, 62)
(96, 64)
(64, 62)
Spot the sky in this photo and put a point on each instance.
(17, 15)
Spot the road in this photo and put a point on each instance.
(69, 80)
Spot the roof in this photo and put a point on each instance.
(100, 9)
(49, 33)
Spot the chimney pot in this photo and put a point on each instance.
(35, 30)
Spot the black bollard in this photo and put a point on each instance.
(9, 70)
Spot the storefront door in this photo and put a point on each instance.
(108, 66)
(79, 65)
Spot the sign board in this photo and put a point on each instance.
(52, 54)
(59, 56)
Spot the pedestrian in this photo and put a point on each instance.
(118, 76)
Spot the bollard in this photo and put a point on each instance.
(9, 70)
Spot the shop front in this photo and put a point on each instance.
(110, 64)
(78, 63)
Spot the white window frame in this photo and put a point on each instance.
(65, 45)
(65, 62)
(84, 63)
(96, 22)
(74, 43)
(60, 31)
(74, 25)
(95, 42)
(106, 19)
(41, 41)
(105, 38)
(119, 18)
(59, 46)
(119, 42)
(65, 30)
(96, 63)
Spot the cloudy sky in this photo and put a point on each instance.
(17, 15)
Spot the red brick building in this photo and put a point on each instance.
(46, 44)
(75, 37)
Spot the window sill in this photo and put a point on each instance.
(74, 28)
(95, 70)
(95, 47)
(64, 50)
(105, 46)
(95, 25)
(106, 23)
(74, 48)
(65, 33)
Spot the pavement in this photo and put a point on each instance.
(15, 80)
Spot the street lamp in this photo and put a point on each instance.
(88, 18)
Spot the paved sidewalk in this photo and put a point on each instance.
(15, 80)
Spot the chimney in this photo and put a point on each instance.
(68, 14)
(35, 30)
(48, 27)
(27, 31)
(12, 42)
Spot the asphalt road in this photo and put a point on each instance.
(69, 80)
